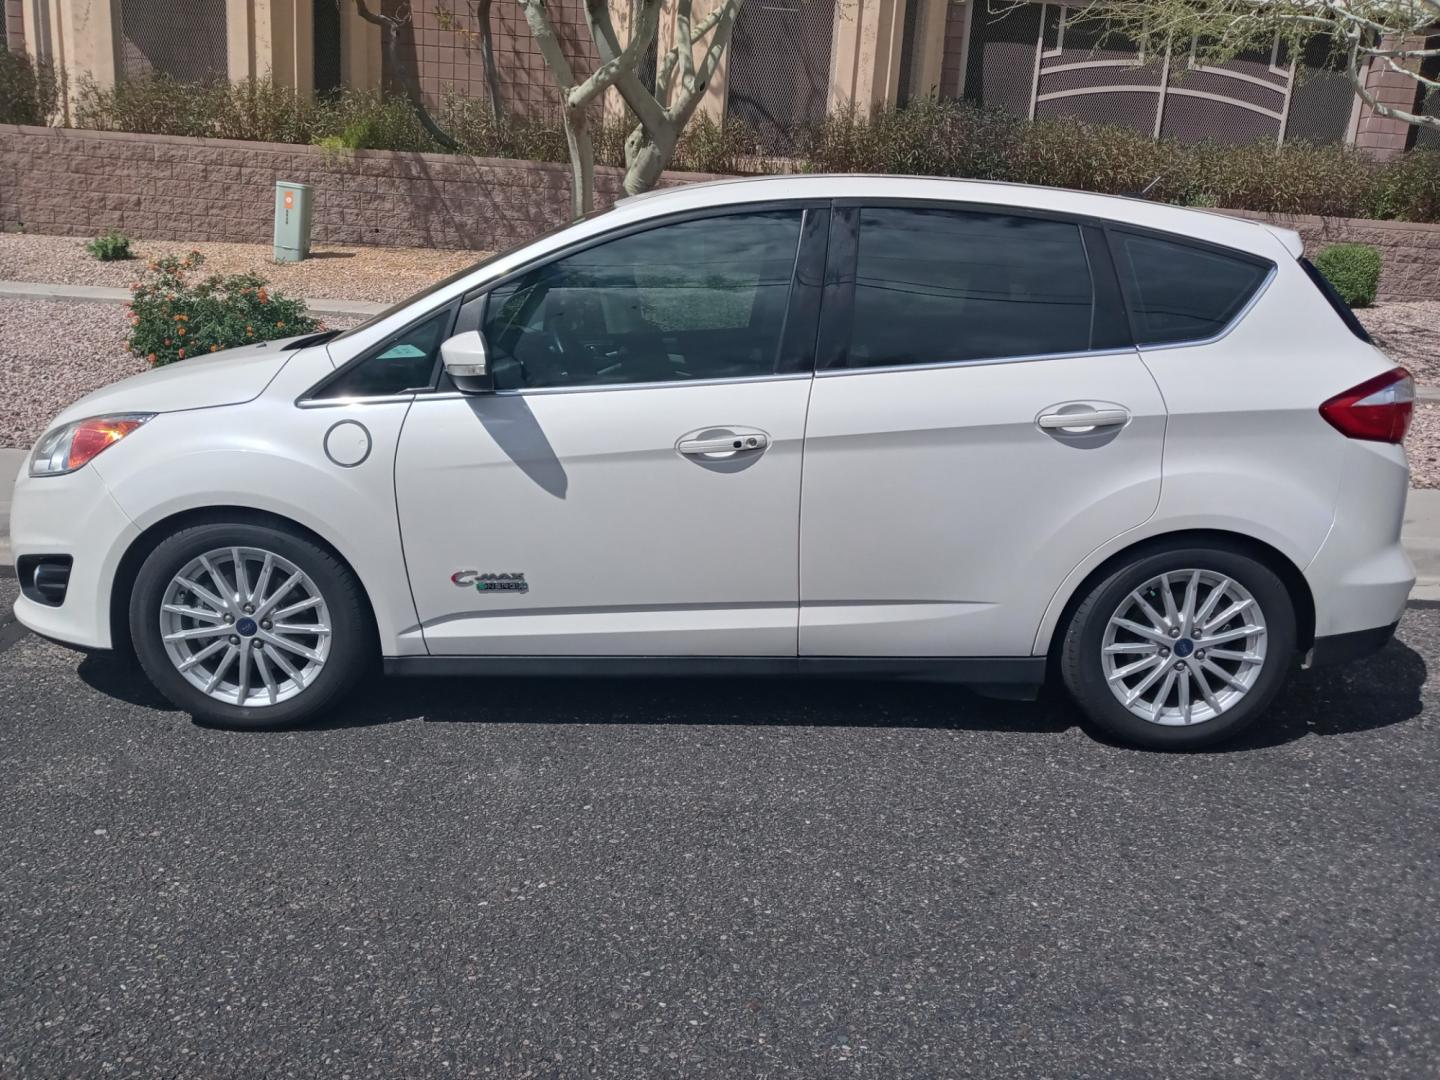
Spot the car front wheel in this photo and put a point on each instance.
(1181, 649)
(248, 626)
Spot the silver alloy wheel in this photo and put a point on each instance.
(1184, 647)
(245, 626)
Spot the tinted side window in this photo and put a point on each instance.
(405, 362)
(702, 299)
(943, 285)
(1177, 292)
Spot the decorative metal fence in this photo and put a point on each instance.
(184, 39)
(779, 68)
(1036, 62)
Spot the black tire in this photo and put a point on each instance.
(1081, 662)
(352, 634)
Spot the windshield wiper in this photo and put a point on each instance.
(313, 339)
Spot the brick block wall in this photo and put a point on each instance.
(1409, 252)
(79, 183)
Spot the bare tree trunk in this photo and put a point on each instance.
(487, 60)
(582, 161)
(644, 164)
(390, 44)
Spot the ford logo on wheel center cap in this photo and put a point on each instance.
(247, 628)
(1183, 647)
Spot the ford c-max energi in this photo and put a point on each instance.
(834, 425)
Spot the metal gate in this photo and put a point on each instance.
(1033, 61)
(779, 68)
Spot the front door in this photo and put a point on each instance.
(980, 428)
(633, 487)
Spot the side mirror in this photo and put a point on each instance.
(467, 362)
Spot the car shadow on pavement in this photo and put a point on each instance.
(757, 702)
(1363, 695)
(1372, 693)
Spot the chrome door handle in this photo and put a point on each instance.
(724, 444)
(1093, 419)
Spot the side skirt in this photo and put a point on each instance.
(1015, 677)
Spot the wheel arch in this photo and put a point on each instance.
(140, 548)
(1276, 560)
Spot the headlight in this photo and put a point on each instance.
(66, 448)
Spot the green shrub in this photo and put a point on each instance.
(29, 92)
(110, 246)
(171, 318)
(1408, 187)
(952, 138)
(707, 146)
(1354, 270)
(927, 138)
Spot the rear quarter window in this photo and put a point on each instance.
(1178, 291)
(1337, 301)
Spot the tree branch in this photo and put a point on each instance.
(539, 21)
(389, 42)
(618, 65)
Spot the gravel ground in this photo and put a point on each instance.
(53, 352)
(1410, 334)
(383, 275)
(1423, 445)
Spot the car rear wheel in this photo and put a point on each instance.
(248, 626)
(1180, 649)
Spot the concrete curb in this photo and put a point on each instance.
(100, 294)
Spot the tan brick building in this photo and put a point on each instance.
(789, 63)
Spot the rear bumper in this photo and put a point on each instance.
(1340, 648)
(1361, 577)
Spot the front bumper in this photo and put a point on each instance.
(74, 516)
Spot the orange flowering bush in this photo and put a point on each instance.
(172, 318)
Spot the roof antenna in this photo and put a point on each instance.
(1144, 193)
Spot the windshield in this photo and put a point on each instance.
(421, 295)
(458, 275)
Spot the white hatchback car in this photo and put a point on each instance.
(863, 426)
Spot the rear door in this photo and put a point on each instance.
(979, 423)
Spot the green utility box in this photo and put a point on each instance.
(292, 221)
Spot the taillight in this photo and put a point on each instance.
(1378, 409)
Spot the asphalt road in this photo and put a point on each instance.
(741, 879)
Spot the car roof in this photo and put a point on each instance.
(1236, 232)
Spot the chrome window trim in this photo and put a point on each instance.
(1122, 350)
(545, 391)
(340, 402)
(450, 395)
